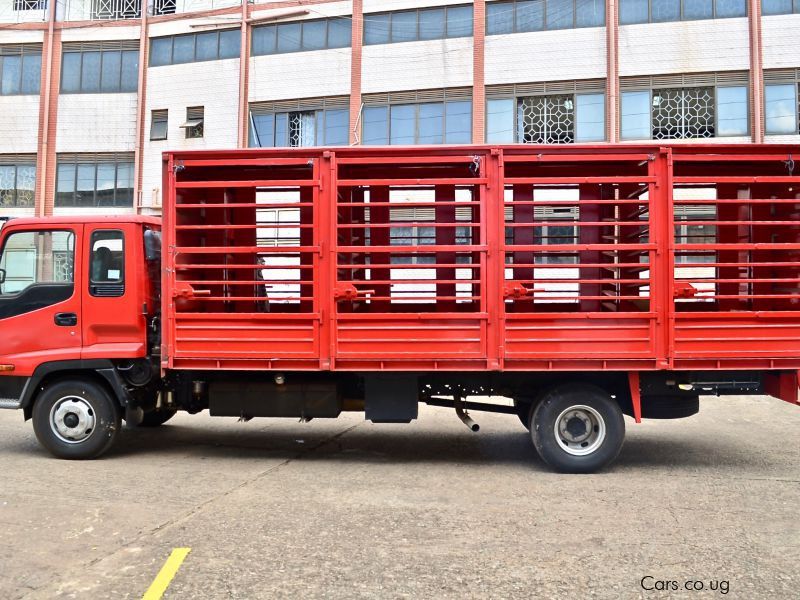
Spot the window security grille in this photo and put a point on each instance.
(547, 120)
(683, 113)
(116, 9)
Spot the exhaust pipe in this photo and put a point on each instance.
(462, 414)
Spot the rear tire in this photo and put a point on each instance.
(155, 418)
(76, 419)
(577, 428)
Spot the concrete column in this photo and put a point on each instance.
(478, 73)
(355, 72)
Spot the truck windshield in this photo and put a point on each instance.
(36, 257)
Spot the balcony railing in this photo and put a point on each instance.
(116, 9)
(30, 5)
(164, 7)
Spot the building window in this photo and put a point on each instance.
(195, 47)
(303, 36)
(415, 25)
(678, 113)
(164, 7)
(100, 68)
(327, 124)
(779, 7)
(20, 5)
(444, 122)
(20, 69)
(194, 122)
(116, 9)
(781, 108)
(17, 182)
(546, 119)
(537, 15)
(158, 124)
(661, 11)
(94, 180)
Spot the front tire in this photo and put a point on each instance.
(76, 419)
(577, 428)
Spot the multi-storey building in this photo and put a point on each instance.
(92, 91)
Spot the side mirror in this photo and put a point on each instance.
(152, 246)
(2, 276)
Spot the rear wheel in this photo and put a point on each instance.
(154, 418)
(577, 428)
(76, 419)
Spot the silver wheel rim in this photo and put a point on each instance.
(580, 430)
(72, 419)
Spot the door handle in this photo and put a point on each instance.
(66, 319)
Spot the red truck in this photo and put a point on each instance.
(581, 283)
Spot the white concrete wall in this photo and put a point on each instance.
(184, 6)
(684, 47)
(96, 123)
(780, 35)
(19, 124)
(319, 11)
(387, 5)
(737, 139)
(99, 33)
(228, 21)
(21, 36)
(312, 74)
(417, 65)
(782, 139)
(561, 55)
(213, 85)
(17, 212)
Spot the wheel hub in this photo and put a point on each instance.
(72, 419)
(577, 428)
(580, 430)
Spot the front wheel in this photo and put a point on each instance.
(577, 428)
(76, 419)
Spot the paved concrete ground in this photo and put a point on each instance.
(344, 508)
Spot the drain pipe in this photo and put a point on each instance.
(462, 414)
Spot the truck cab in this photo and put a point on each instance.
(78, 299)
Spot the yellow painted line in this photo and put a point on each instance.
(165, 575)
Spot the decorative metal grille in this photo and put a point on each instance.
(63, 265)
(7, 188)
(16, 186)
(30, 5)
(302, 129)
(164, 7)
(116, 9)
(546, 119)
(683, 113)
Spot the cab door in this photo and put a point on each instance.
(113, 295)
(40, 299)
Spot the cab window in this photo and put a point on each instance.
(107, 263)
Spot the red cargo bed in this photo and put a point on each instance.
(483, 258)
